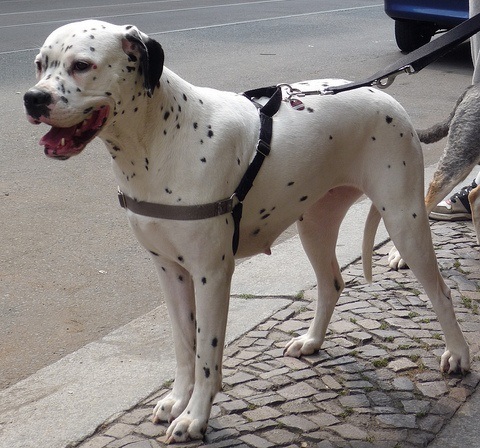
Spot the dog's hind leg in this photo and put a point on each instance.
(407, 224)
(318, 232)
(178, 290)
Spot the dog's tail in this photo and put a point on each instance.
(371, 226)
(440, 130)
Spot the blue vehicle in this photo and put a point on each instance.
(416, 21)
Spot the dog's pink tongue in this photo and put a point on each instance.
(57, 137)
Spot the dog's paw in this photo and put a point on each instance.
(169, 408)
(455, 362)
(185, 428)
(302, 345)
(395, 260)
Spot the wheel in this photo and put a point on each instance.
(411, 35)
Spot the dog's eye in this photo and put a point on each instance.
(38, 65)
(81, 66)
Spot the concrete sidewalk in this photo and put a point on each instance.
(376, 383)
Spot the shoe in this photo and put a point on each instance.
(456, 208)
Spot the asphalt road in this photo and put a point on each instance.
(70, 269)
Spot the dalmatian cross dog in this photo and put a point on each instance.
(174, 143)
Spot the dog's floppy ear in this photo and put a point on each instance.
(149, 52)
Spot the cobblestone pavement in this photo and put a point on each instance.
(375, 383)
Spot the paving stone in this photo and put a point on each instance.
(239, 377)
(298, 390)
(119, 430)
(124, 441)
(433, 389)
(234, 406)
(97, 442)
(403, 383)
(256, 441)
(299, 422)
(401, 364)
(150, 429)
(416, 406)
(354, 401)
(343, 327)
(299, 406)
(379, 398)
(350, 432)
(331, 382)
(263, 413)
(280, 436)
(360, 337)
(397, 420)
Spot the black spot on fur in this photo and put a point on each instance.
(214, 342)
(265, 216)
(210, 133)
(154, 253)
(207, 372)
(203, 160)
(388, 119)
(166, 115)
(255, 232)
(290, 184)
(303, 198)
(373, 138)
(330, 137)
(309, 109)
(180, 277)
(204, 280)
(337, 285)
(180, 259)
(414, 215)
(195, 125)
(168, 190)
(184, 97)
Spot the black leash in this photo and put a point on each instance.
(416, 60)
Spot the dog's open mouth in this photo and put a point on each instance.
(62, 143)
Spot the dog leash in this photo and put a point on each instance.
(416, 60)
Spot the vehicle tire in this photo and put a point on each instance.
(411, 35)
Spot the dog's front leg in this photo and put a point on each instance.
(212, 292)
(179, 295)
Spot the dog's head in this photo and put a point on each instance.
(85, 71)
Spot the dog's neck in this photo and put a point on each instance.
(144, 135)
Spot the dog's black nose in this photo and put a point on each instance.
(36, 102)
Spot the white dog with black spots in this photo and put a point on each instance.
(177, 144)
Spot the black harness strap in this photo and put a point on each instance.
(266, 113)
(204, 211)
